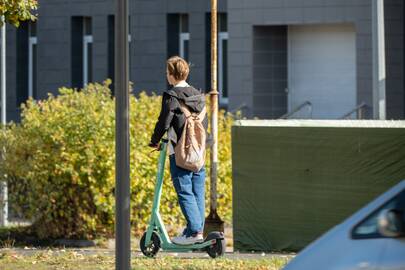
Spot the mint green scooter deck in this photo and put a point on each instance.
(156, 222)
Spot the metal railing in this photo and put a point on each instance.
(240, 109)
(297, 109)
(360, 109)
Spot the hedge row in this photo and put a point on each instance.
(59, 163)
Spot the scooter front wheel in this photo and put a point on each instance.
(153, 248)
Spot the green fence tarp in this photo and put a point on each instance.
(294, 180)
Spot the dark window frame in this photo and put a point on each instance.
(77, 52)
(22, 42)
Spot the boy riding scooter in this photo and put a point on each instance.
(183, 116)
(189, 185)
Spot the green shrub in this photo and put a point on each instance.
(60, 164)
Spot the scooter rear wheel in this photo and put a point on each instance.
(217, 249)
(154, 246)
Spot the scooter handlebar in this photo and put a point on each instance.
(159, 147)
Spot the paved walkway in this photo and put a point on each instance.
(110, 252)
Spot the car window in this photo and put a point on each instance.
(368, 228)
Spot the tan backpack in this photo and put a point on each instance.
(190, 149)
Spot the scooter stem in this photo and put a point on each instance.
(160, 174)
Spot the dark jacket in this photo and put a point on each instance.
(171, 114)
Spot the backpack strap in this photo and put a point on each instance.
(202, 114)
(187, 113)
(184, 109)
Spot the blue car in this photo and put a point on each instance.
(371, 239)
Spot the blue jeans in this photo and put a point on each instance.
(190, 189)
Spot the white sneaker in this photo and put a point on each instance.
(183, 240)
(183, 232)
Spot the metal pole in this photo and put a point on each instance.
(214, 107)
(122, 187)
(379, 103)
(213, 222)
(3, 184)
(3, 72)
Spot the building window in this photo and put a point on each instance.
(111, 49)
(178, 36)
(222, 41)
(32, 61)
(129, 34)
(82, 51)
(223, 58)
(184, 38)
(87, 51)
(26, 62)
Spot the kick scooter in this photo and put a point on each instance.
(156, 237)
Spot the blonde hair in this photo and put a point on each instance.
(178, 68)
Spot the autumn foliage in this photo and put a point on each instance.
(15, 11)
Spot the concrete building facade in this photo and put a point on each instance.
(264, 34)
(275, 55)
